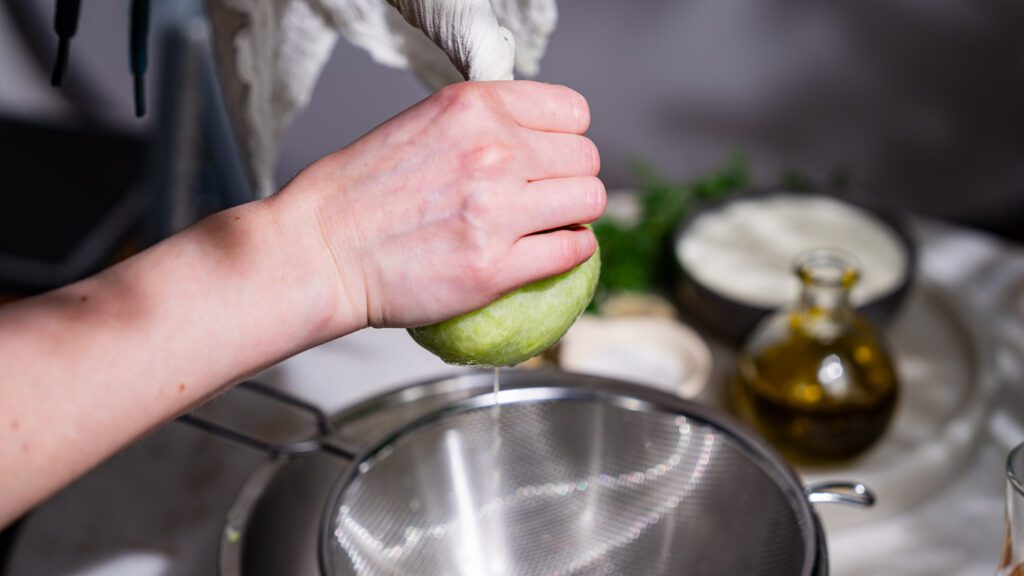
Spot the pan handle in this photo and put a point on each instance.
(323, 441)
(849, 493)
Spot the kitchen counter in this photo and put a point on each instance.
(157, 508)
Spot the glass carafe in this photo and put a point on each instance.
(816, 379)
(1012, 561)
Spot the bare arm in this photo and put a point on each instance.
(432, 214)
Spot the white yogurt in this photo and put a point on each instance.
(745, 249)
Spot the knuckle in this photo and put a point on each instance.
(487, 155)
(479, 270)
(466, 97)
(478, 209)
(477, 244)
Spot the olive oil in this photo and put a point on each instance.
(817, 380)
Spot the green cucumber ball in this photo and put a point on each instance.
(517, 326)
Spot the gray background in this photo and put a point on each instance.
(919, 100)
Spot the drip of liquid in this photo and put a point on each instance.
(497, 387)
(495, 415)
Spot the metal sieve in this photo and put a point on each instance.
(562, 480)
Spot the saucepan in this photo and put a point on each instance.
(558, 473)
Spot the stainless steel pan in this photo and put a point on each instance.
(564, 474)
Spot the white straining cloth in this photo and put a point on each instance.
(270, 53)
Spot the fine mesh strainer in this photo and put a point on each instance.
(565, 481)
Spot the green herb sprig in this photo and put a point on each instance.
(634, 255)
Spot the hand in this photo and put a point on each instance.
(454, 202)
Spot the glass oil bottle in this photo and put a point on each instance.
(816, 379)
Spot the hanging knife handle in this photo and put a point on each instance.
(139, 52)
(65, 24)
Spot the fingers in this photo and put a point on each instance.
(544, 107)
(544, 255)
(555, 203)
(552, 155)
(542, 123)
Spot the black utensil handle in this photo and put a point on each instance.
(139, 51)
(65, 24)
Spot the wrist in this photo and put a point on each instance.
(322, 269)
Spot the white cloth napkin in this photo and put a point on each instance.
(270, 53)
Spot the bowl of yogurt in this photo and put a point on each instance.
(735, 256)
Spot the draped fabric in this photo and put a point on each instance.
(270, 53)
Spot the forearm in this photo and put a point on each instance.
(87, 368)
